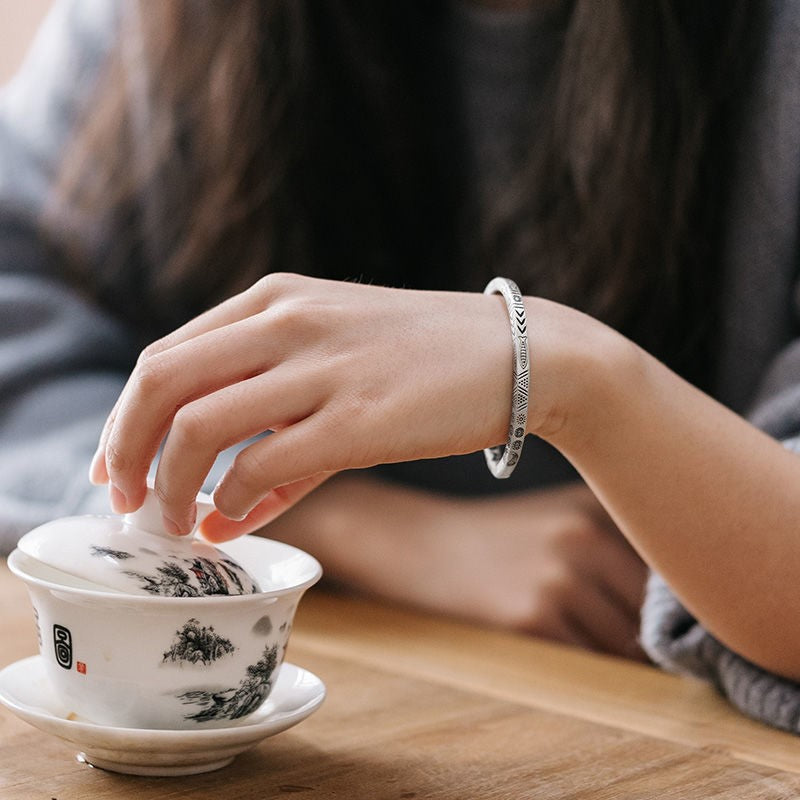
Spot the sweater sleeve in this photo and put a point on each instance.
(63, 361)
(676, 641)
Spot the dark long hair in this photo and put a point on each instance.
(227, 140)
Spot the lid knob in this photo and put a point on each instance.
(149, 518)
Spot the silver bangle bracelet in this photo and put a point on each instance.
(502, 459)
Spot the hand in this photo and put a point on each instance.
(548, 562)
(346, 375)
(552, 563)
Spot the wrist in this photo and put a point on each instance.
(580, 371)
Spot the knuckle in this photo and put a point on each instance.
(162, 492)
(191, 426)
(359, 401)
(577, 536)
(328, 456)
(172, 493)
(536, 608)
(531, 615)
(179, 504)
(274, 284)
(117, 462)
(248, 472)
(290, 316)
(558, 586)
(350, 410)
(151, 372)
(153, 349)
(262, 287)
(282, 279)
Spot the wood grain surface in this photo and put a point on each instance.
(416, 710)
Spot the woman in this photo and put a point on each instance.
(612, 171)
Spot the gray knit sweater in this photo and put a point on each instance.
(63, 361)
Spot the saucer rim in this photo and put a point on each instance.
(258, 725)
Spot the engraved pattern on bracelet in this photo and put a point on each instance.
(502, 459)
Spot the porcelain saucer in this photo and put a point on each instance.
(25, 690)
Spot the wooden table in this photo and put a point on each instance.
(424, 708)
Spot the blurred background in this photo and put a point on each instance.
(18, 22)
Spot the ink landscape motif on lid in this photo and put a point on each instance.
(182, 576)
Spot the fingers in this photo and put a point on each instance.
(98, 473)
(613, 594)
(621, 572)
(281, 459)
(208, 386)
(233, 310)
(160, 392)
(577, 610)
(609, 626)
(207, 426)
(218, 528)
(561, 626)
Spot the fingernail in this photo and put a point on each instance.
(97, 467)
(119, 503)
(227, 515)
(233, 517)
(170, 526)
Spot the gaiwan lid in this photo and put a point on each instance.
(133, 554)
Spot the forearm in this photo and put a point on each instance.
(708, 500)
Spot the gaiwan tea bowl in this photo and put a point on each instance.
(137, 658)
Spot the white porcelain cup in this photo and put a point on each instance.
(169, 662)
